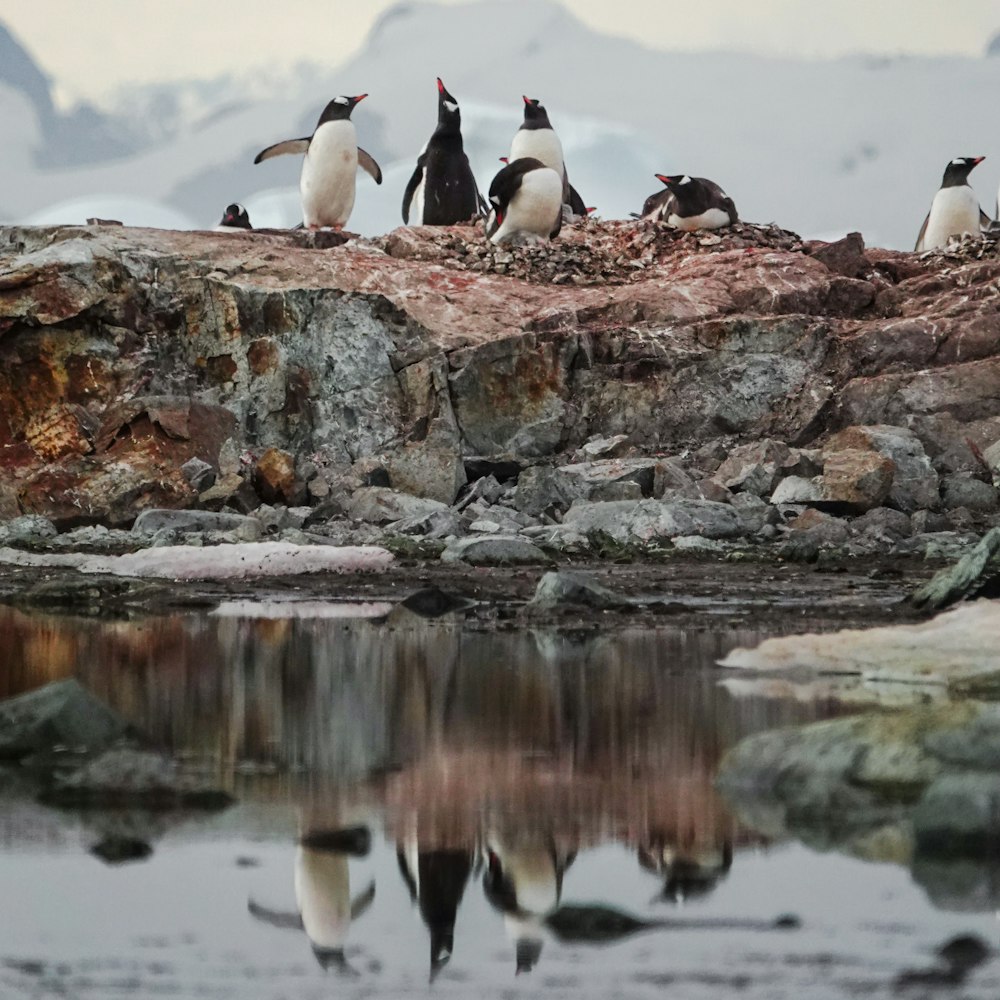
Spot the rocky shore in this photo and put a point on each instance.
(625, 392)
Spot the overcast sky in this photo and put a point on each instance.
(92, 47)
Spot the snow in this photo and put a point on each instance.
(820, 146)
(238, 561)
(278, 610)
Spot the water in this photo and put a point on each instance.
(474, 760)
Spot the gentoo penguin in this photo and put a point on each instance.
(523, 880)
(574, 207)
(955, 209)
(234, 217)
(691, 203)
(526, 200)
(436, 880)
(323, 894)
(332, 160)
(442, 190)
(536, 138)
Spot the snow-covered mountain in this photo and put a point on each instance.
(822, 147)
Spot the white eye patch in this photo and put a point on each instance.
(341, 100)
(685, 179)
(957, 162)
(495, 199)
(451, 106)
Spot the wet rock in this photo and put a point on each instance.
(963, 489)
(959, 815)
(975, 570)
(126, 776)
(62, 714)
(382, 505)
(571, 587)
(651, 520)
(494, 550)
(153, 520)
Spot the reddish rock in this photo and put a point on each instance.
(274, 478)
(857, 480)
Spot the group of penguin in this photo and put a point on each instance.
(531, 195)
(522, 880)
(529, 198)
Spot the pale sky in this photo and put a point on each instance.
(92, 47)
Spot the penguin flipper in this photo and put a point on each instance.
(362, 902)
(923, 230)
(411, 188)
(290, 921)
(280, 148)
(577, 207)
(367, 163)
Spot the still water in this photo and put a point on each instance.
(427, 808)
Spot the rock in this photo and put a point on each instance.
(600, 447)
(64, 714)
(432, 468)
(991, 456)
(381, 505)
(233, 490)
(502, 469)
(274, 478)
(494, 550)
(796, 489)
(599, 475)
(571, 587)
(914, 481)
(201, 475)
(153, 520)
(542, 489)
(31, 529)
(651, 520)
(882, 525)
(973, 571)
(844, 256)
(963, 489)
(432, 524)
(823, 529)
(856, 480)
(959, 815)
(119, 850)
(126, 776)
(752, 513)
(755, 468)
(955, 649)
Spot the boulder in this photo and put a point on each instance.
(652, 520)
(852, 481)
(572, 587)
(274, 478)
(755, 468)
(494, 550)
(153, 520)
(382, 505)
(61, 714)
(543, 489)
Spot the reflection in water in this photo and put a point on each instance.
(508, 754)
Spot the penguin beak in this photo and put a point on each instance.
(503, 159)
(664, 178)
(528, 100)
(440, 86)
(977, 160)
(358, 99)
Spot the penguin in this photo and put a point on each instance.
(523, 880)
(536, 138)
(323, 894)
(332, 158)
(955, 209)
(526, 200)
(691, 203)
(436, 881)
(442, 190)
(234, 217)
(575, 207)
(686, 874)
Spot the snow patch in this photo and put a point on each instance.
(279, 610)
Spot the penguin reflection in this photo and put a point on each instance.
(436, 880)
(523, 880)
(686, 874)
(323, 893)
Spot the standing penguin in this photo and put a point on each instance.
(955, 209)
(442, 190)
(526, 200)
(332, 160)
(234, 217)
(536, 138)
(693, 203)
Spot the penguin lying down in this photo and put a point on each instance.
(690, 203)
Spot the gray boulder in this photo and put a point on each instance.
(494, 550)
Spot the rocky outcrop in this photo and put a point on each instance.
(709, 380)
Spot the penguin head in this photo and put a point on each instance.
(681, 186)
(236, 216)
(957, 172)
(339, 109)
(448, 112)
(535, 115)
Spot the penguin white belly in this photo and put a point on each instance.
(535, 206)
(712, 218)
(417, 202)
(954, 210)
(323, 892)
(534, 877)
(542, 144)
(329, 175)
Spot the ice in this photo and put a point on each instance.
(277, 610)
(239, 561)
